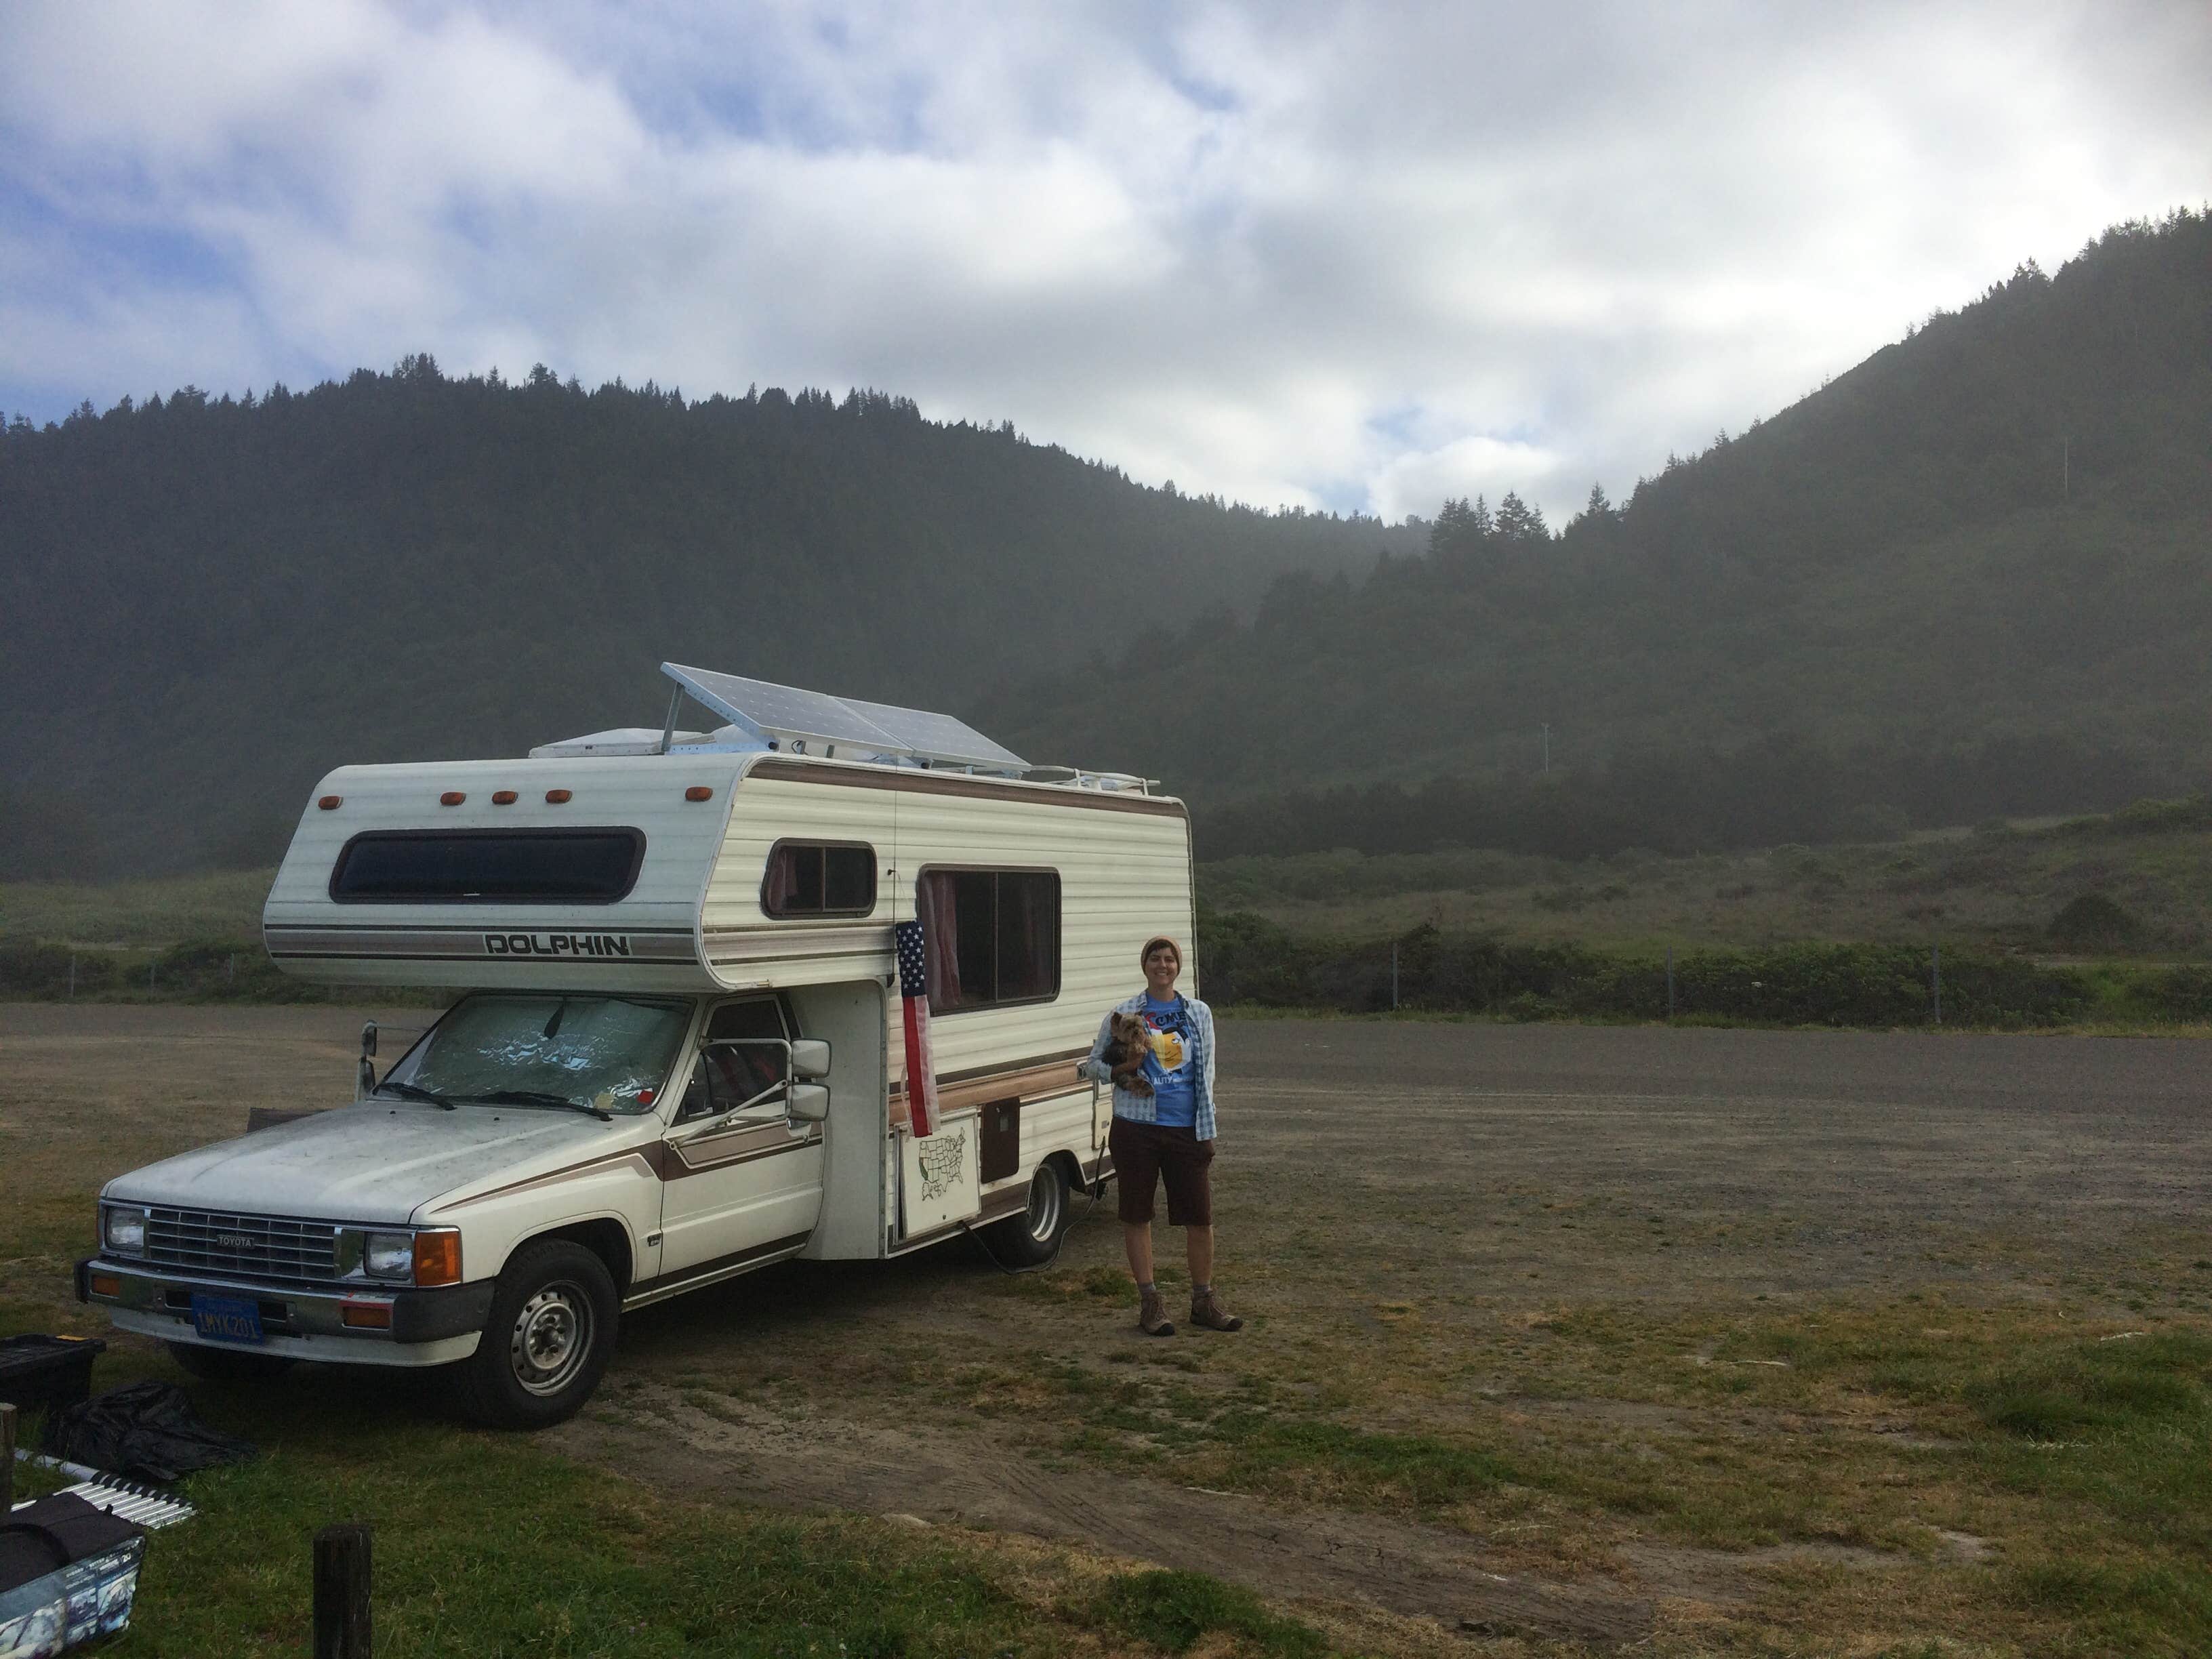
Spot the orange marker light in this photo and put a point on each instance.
(330, 803)
(502, 798)
(105, 1284)
(438, 1256)
(366, 1316)
(452, 798)
(698, 791)
(557, 796)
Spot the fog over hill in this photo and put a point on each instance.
(1972, 577)
(206, 602)
(1968, 576)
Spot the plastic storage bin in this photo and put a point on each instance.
(45, 1373)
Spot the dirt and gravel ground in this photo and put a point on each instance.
(1580, 1254)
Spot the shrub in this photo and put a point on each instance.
(38, 968)
(2095, 922)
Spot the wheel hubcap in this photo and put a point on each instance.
(1045, 1200)
(551, 1336)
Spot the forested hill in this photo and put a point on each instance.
(206, 602)
(1973, 575)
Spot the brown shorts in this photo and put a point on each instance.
(1145, 1154)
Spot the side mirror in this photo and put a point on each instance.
(809, 1057)
(810, 1103)
(364, 1081)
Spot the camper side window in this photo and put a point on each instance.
(819, 878)
(993, 937)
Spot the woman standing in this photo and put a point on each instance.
(1166, 1135)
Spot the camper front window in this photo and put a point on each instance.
(547, 1049)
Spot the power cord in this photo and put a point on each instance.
(1097, 1191)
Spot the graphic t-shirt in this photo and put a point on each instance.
(1168, 1068)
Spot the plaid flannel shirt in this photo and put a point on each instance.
(1144, 1108)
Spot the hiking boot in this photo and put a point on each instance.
(1206, 1310)
(1153, 1315)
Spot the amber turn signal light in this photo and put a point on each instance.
(366, 1316)
(452, 798)
(438, 1256)
(105, 1284)
(698, 791)
(330, 803)
(557, 796)
(502, 798)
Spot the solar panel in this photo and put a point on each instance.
(782, 711)
(766, 710)
(938, 737)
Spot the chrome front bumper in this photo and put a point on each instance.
(427, 1327)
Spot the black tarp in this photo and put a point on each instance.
(143, 1430)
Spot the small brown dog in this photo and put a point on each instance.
(1132, 1040)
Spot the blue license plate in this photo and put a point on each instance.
(227, 1318)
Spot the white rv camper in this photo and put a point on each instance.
(680, 1055)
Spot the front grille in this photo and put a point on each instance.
(248, 1246)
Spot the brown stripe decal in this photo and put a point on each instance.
(645, 1157)
(914, 782)
(721, 1264)
(741, 1146)
(1028, 1080)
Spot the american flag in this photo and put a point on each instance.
(914, 991)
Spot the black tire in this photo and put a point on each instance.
(1031, 1237)
(229, 1364)
(547, 1341)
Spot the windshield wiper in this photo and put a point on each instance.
(414, 1091)
(538, 1098)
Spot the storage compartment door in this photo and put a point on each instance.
(940, 1176)
(1001, 1153)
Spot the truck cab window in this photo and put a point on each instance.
(726, 1079)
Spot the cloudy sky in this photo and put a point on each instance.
(1354, 256)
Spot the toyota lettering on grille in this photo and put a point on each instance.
(238, 1241)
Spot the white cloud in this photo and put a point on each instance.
(1364, 252)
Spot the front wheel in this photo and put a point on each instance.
(547, 1341)
(1032, 1237)
(228, 1364)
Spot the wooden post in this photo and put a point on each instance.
(7, 1459)
(341, 1592)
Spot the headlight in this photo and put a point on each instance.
(389, 1255)
(124, 1231)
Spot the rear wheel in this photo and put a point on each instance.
(1032, 1237)
(228, 1364)
(548, 1340)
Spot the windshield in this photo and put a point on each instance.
(611, 1054)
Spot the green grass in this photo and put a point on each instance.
(493, 1545)
(225, 904)
(1175, 1610)
(2001, 887)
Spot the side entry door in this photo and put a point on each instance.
(741, 1180)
